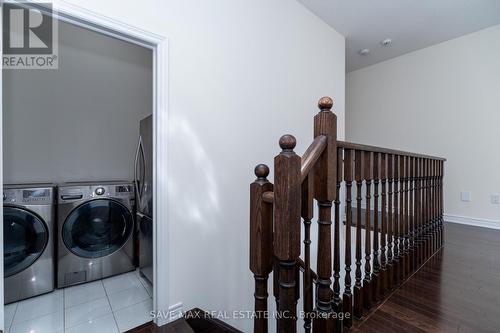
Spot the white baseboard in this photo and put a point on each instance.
(478, 222)
(174, 312)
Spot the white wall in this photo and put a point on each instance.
(80, 122)
(442, 100)
(241, 73)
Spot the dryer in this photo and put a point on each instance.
(95, 231)
(28, 226)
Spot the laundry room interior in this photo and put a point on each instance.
(78, 188)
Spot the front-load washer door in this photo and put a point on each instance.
(25, 238)
(97, 228)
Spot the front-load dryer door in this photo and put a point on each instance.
(97, 228)
(25, 238)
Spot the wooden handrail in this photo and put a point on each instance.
(311, 156)
(268, 197)
(359, 146)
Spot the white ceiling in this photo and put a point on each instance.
(411, 24)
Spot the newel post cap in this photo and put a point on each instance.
(287, 142)
(325, 103)
(261, 171)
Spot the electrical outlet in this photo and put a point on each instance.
(495, 199)
(466, 196)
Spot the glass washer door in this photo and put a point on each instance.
(97, 228)
(25, 239)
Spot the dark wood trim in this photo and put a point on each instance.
(202, 321)
(407, 229)
(362, 147)
(312, 154)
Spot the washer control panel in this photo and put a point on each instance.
(28, 196)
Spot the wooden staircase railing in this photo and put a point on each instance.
(403, 190)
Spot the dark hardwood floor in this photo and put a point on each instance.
(178, 326)
(458, 290)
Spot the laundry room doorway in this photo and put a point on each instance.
(84, 189)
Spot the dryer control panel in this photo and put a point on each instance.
(71, 193)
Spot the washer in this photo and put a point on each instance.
(95, 231)
(28, 225)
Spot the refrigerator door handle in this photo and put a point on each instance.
(136, 184)
(143, 170)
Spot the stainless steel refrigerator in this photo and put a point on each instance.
(143, 179)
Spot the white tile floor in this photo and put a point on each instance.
(112, 305)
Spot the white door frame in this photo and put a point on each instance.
(77, 15)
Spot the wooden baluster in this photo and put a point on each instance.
(412, 213)
(347, 296)
(397, 219)
(367, 283)
(307, 215)
(276, 281)
(358, 293)
(407, 216)
(390, 224)
(325, 179)
(426, 209)
(420, 242)
(297, 288)
(287, 205)
(383, 238)
(441, 202)
(436, 205)
(433, 207)
(429, 208)
(438, 196)
(402, 219)
(438, 235)
(261, 244)
(337, 301)
(376, 263)
(422, 210)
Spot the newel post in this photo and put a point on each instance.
(325, 179)
(287, 206)
(261, 244)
